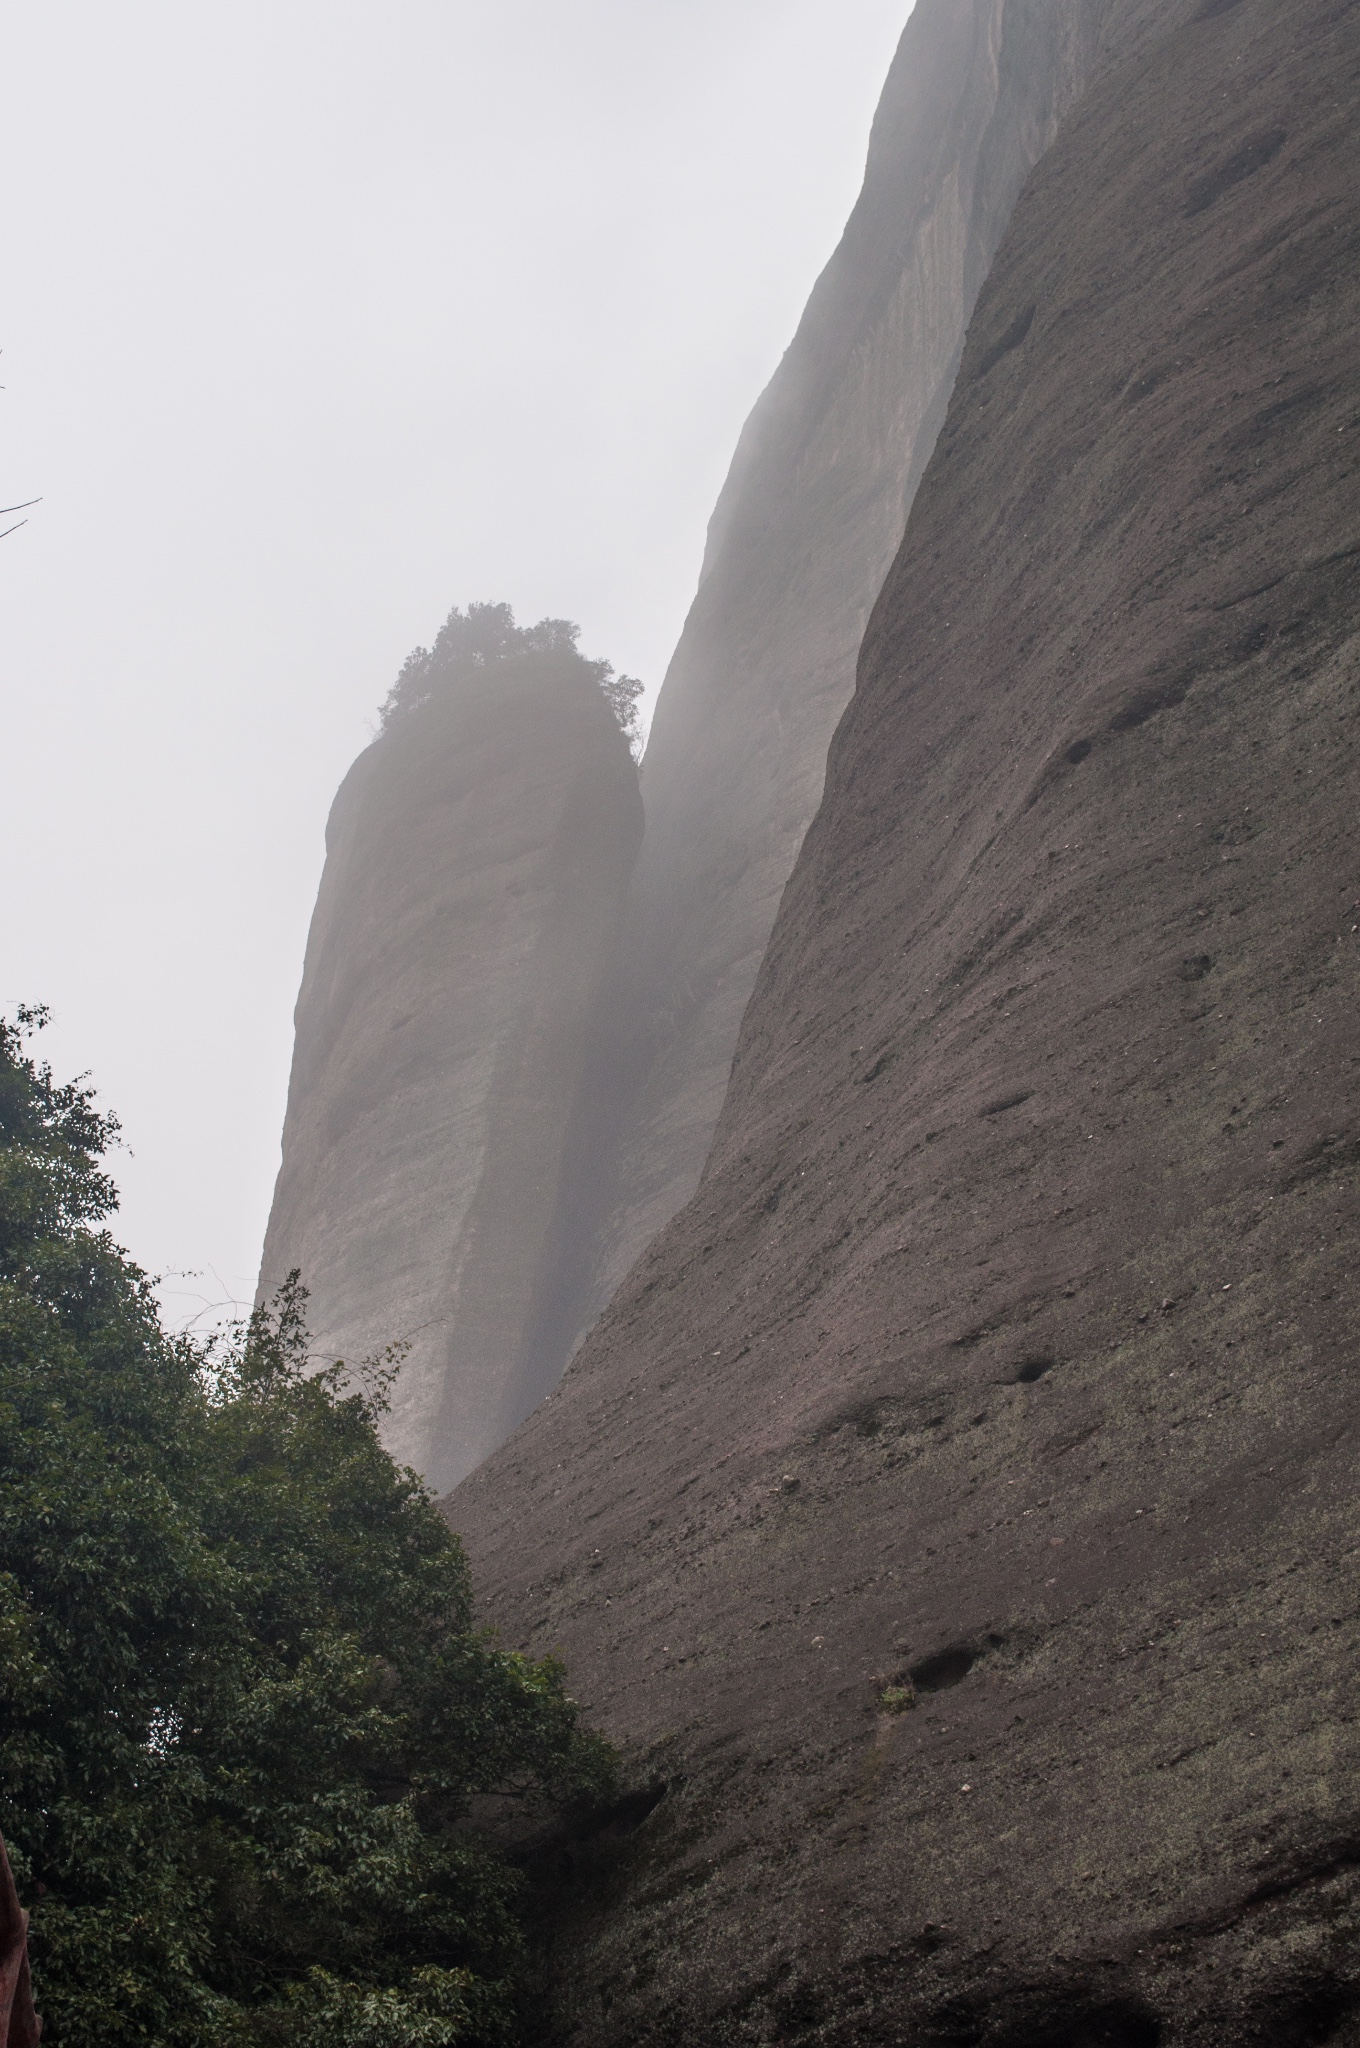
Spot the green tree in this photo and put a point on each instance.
(485, 635)
(245, 1706)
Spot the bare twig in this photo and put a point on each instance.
(17, 508)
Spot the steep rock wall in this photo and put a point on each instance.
(476, 859)
(807, 524)
(955, 1509)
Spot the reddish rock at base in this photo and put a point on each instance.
(20, 2026)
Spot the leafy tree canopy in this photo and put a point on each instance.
(244, 1703)
(486, 634)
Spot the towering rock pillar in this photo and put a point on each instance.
(477, 855)
(802, 536)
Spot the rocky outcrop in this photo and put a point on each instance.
(955, 1509)
(798, 546)
(476, 858)
(803, 534)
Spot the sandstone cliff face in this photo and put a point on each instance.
(375, 1200)
(477, 855)
(801, 539)
(956, 1508)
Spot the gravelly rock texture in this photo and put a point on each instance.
(955, 1510)
(802, 537)
(476, 859)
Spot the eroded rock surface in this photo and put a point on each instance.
(374, 1202)
(803, 534)
(477, 855)
(956, 1507)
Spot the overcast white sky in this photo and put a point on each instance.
(318, 317)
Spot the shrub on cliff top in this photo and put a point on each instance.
(487, 634)
(243, 1706)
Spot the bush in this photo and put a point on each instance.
(487, 634)
(245, 1707)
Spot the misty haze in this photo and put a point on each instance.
(738, 1428)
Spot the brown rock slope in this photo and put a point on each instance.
(1003, 1369)
(476, 858)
